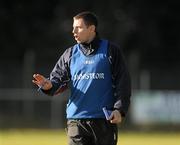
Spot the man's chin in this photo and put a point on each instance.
(79, 41)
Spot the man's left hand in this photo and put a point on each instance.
(115, 117)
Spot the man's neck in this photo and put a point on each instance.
(91, 38)
(89, 48)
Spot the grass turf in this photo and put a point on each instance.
(58, 137)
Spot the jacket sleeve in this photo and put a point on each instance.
(121, 79)
(60, 75)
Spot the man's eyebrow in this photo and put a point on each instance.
(77, 26)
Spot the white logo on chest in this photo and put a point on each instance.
(88, 62)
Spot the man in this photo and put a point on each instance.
(98, 77)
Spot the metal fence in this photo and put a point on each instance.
(28, 108)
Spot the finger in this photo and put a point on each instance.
(112, 118)
(114, 121)
(35, 75)
(116, 118)
(36, 82)
(38, 77)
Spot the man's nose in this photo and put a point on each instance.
(74, 31)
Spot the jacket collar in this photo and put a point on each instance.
(89, 48)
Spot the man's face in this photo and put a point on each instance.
(81, 32)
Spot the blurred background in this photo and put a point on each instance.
(34, 33)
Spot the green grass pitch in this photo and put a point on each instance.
(58, 137)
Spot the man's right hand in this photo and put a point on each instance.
(42, 82)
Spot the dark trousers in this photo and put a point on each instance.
(91, 132)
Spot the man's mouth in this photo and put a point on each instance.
(75, 36)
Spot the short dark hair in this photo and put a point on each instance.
(88, 17)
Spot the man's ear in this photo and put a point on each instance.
(92, 28)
